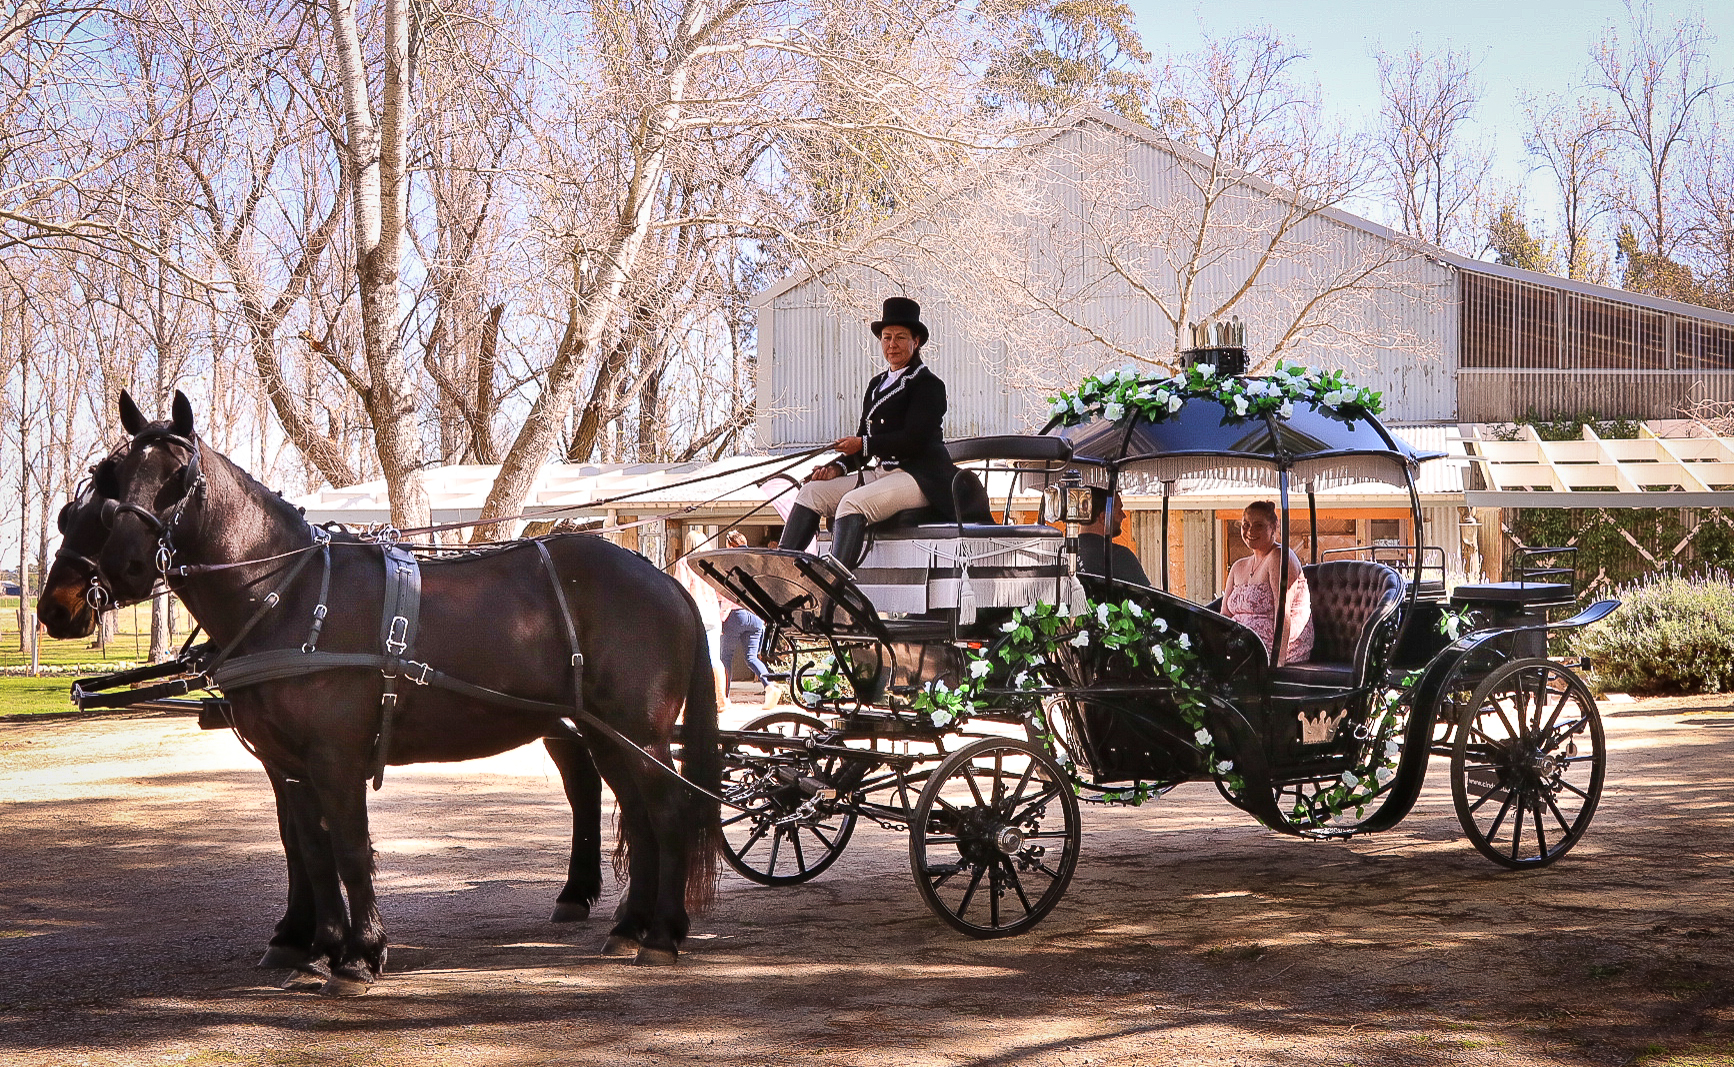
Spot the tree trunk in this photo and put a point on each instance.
(376, 157)
(598, 302)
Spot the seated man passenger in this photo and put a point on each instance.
(1096, 542)
(1250, 598)
(902, 419)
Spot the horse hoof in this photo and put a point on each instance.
(344, 985)
(655, 957)
(618, 945)
(570, 911)
(283, 957)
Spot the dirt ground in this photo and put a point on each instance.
(140, 875)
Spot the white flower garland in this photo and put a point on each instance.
(1112, 395)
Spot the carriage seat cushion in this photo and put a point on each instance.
(1348, 596)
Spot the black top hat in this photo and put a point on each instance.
(902, 311)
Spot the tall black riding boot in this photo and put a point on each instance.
(848, 539)
(799, 528)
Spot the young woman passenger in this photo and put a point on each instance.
(1251, 596)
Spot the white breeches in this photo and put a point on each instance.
(876, 494)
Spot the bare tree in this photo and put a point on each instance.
(1234, 215)
(1573, 142)
(1434, 173)
(1709, 200)
(1657, 82)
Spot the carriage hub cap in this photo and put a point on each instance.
(1010, 840)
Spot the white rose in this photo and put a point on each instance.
(1063, 610)
(1059, 407)
(1185, 640)
(1137, 612)
(1240, 405)
(1349, 779)
(1202, 736)
(1077, 406)
(1028, 609)
(1384, 774)
(1102, 614)
(1174, 404)
(1160, 656)
(1225, 766)
(1392, 748)
(1160, 625)
(1021, 680)
(1206, 370)
(979, 668)
(1287, 409)
(1113, 411)
(941, 687)
(1082, 639)
(1008, 626)
(939, 717)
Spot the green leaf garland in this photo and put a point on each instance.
(1113, 395)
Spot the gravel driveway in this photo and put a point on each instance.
(142, 875)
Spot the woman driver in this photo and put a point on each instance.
(902, 415)
(1250, 598)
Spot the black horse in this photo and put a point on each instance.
(235, 553)
(74, 593)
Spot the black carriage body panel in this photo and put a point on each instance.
(1126, 721)
(795, 591)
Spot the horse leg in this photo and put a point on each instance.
(322, 887)
(361, 958)
(292, 943)
(584, 793)
(669, 923)
(632, 916)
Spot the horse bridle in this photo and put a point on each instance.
(99, 592)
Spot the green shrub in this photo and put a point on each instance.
(1672, 634)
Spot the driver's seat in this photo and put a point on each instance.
(969, 497)
(1352, 602)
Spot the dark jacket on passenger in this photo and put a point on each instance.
(904, 430)
(1093, 559)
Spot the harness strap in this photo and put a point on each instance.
(277, 665)
(571, 630)
(321, 609)
(398, 623)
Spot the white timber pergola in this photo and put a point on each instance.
(1672, 463)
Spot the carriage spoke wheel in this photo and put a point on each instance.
(786, 835)
(1527, 763)
(993, 841)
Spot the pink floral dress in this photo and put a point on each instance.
(1253, 607)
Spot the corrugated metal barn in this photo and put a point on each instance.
(1060, 260)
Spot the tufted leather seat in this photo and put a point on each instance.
(1351, 599)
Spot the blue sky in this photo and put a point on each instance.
(1535, 46)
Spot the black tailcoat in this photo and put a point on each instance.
(904, 430)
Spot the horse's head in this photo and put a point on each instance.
(75, 589)
(158, 483)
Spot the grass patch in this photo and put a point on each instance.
(34, 696)
(1715, 1054)
(131, 643)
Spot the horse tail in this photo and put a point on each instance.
(702, 765)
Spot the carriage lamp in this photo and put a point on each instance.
(1069, 502)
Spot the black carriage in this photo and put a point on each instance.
(967, 685)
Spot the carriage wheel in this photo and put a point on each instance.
(786, 835)
(993, 841)
(1527, 763)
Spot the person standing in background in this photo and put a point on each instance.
(710, 612)
(746, 631)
